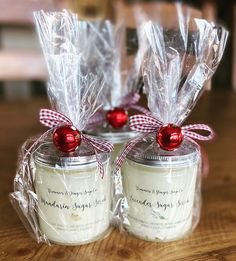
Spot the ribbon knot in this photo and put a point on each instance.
(53, 119)
(129, 102)
(147, 124)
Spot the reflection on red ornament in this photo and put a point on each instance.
(67, 138)
(169, 137)
(117, 118)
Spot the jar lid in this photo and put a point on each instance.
(47, 154)
(115, 136)
(148, 152)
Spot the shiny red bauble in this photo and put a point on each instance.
(169, 137)
(117, 118)
(67, 138)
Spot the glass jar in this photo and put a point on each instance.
(118, 137)
(73, 200)
(162, 191)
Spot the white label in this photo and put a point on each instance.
(74, 205)
(160, 200)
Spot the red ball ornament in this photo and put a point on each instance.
(67, 138)
(169, 137)
(117, 118)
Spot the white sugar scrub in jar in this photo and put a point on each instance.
(74, 201)
(62, 188)
(162, 190)
(161, 172)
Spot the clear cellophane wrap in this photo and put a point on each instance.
(179, 56)
(111, 60)
(62, 197)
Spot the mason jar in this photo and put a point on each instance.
(118, 137)
(161, 191)
(74, 201)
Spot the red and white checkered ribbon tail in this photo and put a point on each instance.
(139, 109)
(189, 132)
(140, 123)
(34, 145)
(130, 102)
(129, 146)
(97, 118)
(148, 124)
(131, 99)
(54, 119)
(98, 146)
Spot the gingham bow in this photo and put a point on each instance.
(129, 102)
(54, 119)
(148, 124)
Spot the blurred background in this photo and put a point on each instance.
(22, 70)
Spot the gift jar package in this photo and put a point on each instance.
(160, 190)
(62, 188)
(73, 200)
(120, 94)
(161, 169)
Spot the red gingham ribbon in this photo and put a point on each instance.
(129, 102)
(130, 99)
(148, 124)
(53, 119)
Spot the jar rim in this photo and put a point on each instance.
(115, 136)
(48, 155)
(147, 152)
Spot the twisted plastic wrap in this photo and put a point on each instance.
(61, 197)
(161, 187)
(178, 62)
(73, 88)
(108, 57)
(120, 70)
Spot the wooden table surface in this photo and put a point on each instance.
(214, 238)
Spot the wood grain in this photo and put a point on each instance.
(213, 240)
